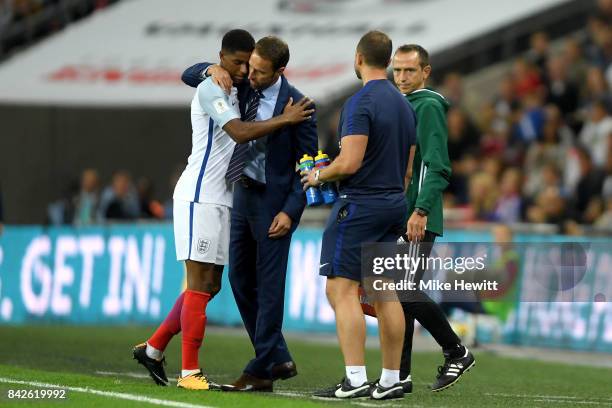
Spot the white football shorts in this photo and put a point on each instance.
(201, 232)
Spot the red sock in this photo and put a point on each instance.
(169, 327)
(193, 323)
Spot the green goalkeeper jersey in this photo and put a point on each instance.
(431, 168)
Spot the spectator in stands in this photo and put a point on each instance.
(539, 51)
(508, 208)
(87, 200)
(61, 211)
(595, 209)
(597, 132)
(504, 104)
(149, 206)
(452, 88)
(551, 177)
(119, 201)
(549, 207)
(528, 120)
(575, 63)
(494, 143)
(605, 220)
(463, 136)
(526, 79)
(561, 91)
(483, 196)
(459, 185)
(493, 166)
(551, 150)
(596, 88)
(589, 185)
(597, 28)
(607, 186)
(604, 8)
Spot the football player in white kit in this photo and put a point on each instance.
(202, 203)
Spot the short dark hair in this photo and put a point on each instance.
(237, 40)
(423, 54)
(376, 48)
(273, 49)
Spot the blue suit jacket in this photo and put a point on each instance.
(284, 148)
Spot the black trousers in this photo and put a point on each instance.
(427, 312)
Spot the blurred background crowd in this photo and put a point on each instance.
(537, 149)
(531, 143)
(529, 140)
(25, 21)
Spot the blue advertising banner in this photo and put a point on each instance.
(124, 274)
(114, 274)
(129, 274)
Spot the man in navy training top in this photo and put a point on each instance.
(377, 130)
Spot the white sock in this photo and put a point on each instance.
(389, 377)
(356, 375)
(407, 379)
(185, 373)
(154, 353)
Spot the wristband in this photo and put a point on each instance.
(421, 212)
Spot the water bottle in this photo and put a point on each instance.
(313, 194)
(328, 190)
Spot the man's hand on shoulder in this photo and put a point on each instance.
(220, 77)
(298, 112)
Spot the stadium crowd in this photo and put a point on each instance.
(538, 150)
(25, 21)
(122, 199)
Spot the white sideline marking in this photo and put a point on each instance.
(290, 394)
(559, 397)
(120, 395)
(127, 374)
(553, 401)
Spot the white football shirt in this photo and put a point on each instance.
(203, 180)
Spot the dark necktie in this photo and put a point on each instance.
(237, 162)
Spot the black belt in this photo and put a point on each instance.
(249, 183)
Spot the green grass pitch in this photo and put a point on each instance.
(95, 366)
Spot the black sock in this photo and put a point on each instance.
(454, 352)
(430, 315)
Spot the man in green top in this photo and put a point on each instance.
(430, 175)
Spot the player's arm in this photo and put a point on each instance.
(348, 161)
(354, 132)
(293, 114)
(216, 103)
(195, 74)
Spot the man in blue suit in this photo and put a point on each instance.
(268, 205)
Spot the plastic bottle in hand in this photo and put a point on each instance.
(313, 194)
(328, 190)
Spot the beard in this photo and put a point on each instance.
(357, 73)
